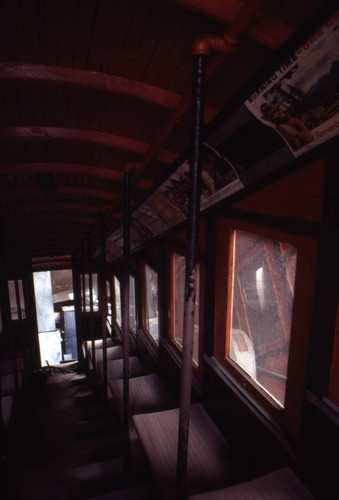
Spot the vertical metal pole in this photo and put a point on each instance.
(125, 301)
(104, 304)
(199, 64)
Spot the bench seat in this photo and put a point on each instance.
(146, 394)
(115, 369)
(282, 484)
(208, 451)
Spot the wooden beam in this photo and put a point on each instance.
(58, 206)
(89, 136)
(61, 190)
(71, 169)
(39, 73)
(69, 219)
(265, 30)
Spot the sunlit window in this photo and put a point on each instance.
(152, 307)
(17, 299)
(95, 292)
(117, 294)
(179, 269)
(109, 303)
(91, 294)
(262, 303)
(132, 305)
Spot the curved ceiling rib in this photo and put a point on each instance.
(64, 219)
(10, 72)
(60, 190)
(58, 206)
(40, 73)
(88, 136)
(70, 168)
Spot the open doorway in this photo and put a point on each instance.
(54, 298)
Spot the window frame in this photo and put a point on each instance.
(109, 311)
(20, 299)
(155, 343)
(88, 276)
(134, 332)
(288, 416)
(197, 367)
(114, 316)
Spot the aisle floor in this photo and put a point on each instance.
(64, 445)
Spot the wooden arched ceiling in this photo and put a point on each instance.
(88, 87)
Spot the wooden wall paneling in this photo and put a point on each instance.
(301, 326)
(11, 109)
(172, 29)
(31, 31)
(105, 14)
(180, 52)
(4, 49)
(67, 32)
(148, 45)
(52, 21)
(121, 18)
(83, 33)
(138, 25)
(14, 32)
(222, 257)
(74, 103)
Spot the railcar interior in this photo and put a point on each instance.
(169, 314)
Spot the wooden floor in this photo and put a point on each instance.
(66, 442)
(61, 446)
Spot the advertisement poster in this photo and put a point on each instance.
(168, 206)
(300, 101)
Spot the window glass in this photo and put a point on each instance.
(87, 295)
(179, 263)
(82, 283)
(95, 292)
(12, 300)
(152, 308)
(132, 306)
(22, 299)
(117, 301)
(262, 302)
(109, 303)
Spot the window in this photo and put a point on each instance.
(16, 299)
(178, 301)
(264, 295)
(93, 294)
(82, 287)
(262, 301)
(117, 294)
(132, 304)
(109, 303)
(151, 303)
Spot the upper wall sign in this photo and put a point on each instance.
(300, 99)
